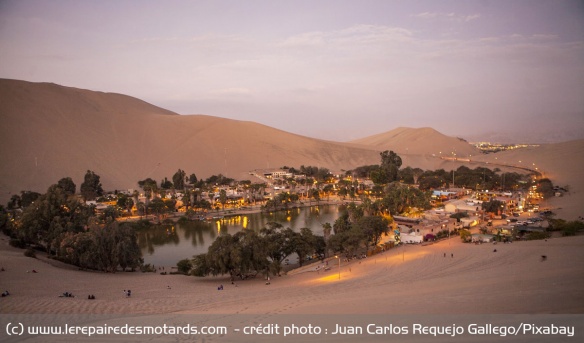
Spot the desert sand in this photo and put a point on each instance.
(50, 132)
(445, 278)
(410, 279)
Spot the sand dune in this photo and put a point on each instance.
(414, 279)
(50, 131)
(419, 141)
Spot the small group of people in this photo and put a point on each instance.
(220, 288)
(91, 297)
(128, 293)
(5, 294)
(67, 295)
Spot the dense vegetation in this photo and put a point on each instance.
(68, 230)
(248, 252)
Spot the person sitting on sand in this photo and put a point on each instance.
(5, 294)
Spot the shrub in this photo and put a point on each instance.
(184, 266)
(147, 268)
(572, 228)
(30, 253)
(465, 235)
(537, 235)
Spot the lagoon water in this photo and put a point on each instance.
(165, 245)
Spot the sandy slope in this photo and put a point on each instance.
(420, 141)
(414, 279)
(50, 131)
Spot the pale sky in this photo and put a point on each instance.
(337, 70)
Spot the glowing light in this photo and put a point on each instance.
(245, 222)
(328, 278)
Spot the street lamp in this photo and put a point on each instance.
(339, 257)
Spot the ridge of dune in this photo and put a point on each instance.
(50, 132)
(423, 140)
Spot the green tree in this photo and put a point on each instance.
(236, 255)
(126, 247)
(223, 198)
(149, 187)
(193, 179)
(546, 188)
(184, 266)
(315, 194)
(493, 206)
(373, 228)
(465, 235)
(166, 184)
(303, 243)
(53, 214)
(178, 179)
(125, 202)
(390, 163)
(158, 207)
(67, 185)
(278, 245)
(91, 187)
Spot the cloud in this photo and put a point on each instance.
(543, 37)
(454, 17)
(472, 17)
(304, 39)
(356, 34)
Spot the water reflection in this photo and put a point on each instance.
(165, 245)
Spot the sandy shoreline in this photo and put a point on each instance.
(401, 280)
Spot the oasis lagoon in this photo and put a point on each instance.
(165, 245)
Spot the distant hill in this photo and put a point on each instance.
(419, 141)
(50, 131)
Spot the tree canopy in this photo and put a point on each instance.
(91, 187)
